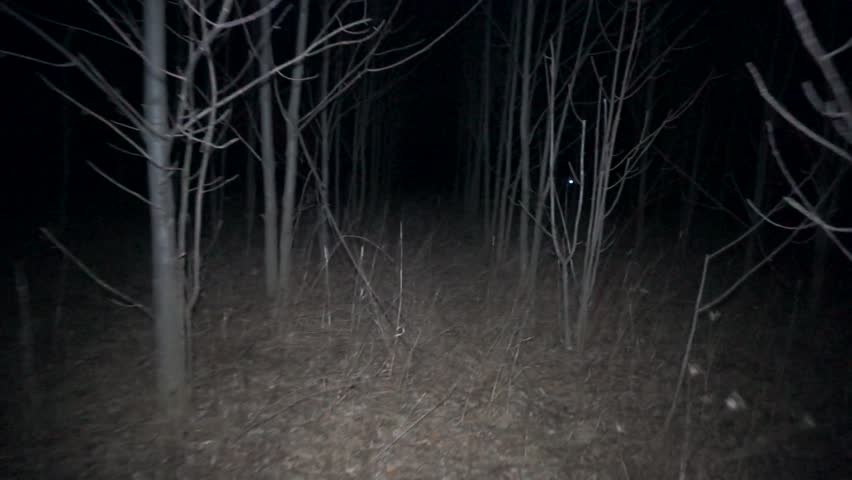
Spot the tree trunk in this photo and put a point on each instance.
(251, 195)
(644, 162)
(166, 277)
(267, 152)
(758, 199)
(525, 137)
(485, 124)
(687, 208)
(288, 201)
(324, 143)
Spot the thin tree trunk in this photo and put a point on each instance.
(26, 330)
(485, 122)
(324, 142)
(758, 198)
(688, 207)
(503, 179)
(549, 151)
(251, 194)
(167, 285)
(267, 152)
(288, 202)
(525, 137)
(763, 153)
(358, 175)
(55, 329)
(339, 193)
(645, 160)
(819, 265)
(376, 150)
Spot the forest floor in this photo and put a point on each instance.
(480, 386)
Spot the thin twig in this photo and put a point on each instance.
(120, 185)
(129, 301)
(428, 45)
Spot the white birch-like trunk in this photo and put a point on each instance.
(166, 276)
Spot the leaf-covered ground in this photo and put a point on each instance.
(477, 385)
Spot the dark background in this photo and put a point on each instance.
(48, 142)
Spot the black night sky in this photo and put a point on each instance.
(459, 327)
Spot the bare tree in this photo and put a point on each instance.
(555, 91)
(345, 25)
(288, 200)
(836, 111)
(180, 128)
(603, 177)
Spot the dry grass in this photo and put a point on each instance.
(480, 389)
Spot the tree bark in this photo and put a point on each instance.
(288, 201)
(166, 276)
(267, 153)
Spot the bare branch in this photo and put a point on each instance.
(809, 210)
(118, 184)
(428, 45)
(826, 65)
(791, 119)
(109, 123)
(37, 60)
(840, 49)
(310, 51)
(126, 41)
(89, 273)
(814, 217)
